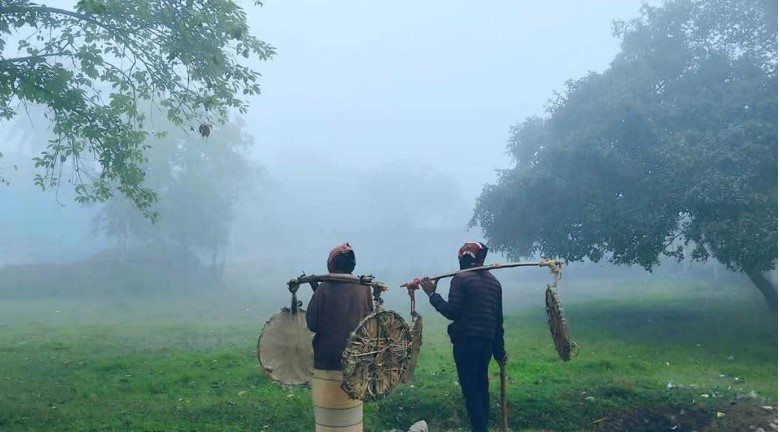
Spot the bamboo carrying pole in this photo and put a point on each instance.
(294, 284)
(543, 263)
(338, 277)
(369, 280)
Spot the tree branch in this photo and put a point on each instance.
(38, 56)
(78, 15)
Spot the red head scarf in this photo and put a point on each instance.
(333, 266)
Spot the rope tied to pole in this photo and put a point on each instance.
(412, 301)
(416, 337)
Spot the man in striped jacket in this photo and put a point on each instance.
(475, 307)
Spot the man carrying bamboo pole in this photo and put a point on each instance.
(334, 312)
(475, 307)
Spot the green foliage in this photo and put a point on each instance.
(674, 144)
(96, 67)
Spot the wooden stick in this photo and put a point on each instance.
(336, 277)
(543, 263)
(504, 411)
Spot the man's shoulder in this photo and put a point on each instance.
(475, 274)
(480, 276)
(343, 286)
(325, 285)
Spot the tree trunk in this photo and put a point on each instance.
(765, 286)
(221, 272)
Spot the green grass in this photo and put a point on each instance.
(189, 365)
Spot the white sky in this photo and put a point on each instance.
(433, 82)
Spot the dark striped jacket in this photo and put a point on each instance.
(475, 307)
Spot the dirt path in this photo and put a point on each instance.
(738, 415)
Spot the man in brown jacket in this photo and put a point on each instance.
(334, 312)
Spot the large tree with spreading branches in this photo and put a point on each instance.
(672, 151)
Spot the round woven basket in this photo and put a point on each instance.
(377, 355)
(284, 348)
(559, 328)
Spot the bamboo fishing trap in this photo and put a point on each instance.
(374, 361)
(416, 342)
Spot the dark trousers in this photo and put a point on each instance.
(471, 359)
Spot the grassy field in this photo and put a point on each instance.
(666, 357)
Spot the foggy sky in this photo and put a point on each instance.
(434, 82)
(361, 87)
(407, 92)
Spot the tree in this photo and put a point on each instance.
(671, 151)
(99, 66)
(199, 183)
(398, 190)
(416, 212)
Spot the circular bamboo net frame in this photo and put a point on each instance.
(376, 356)
(556, 319)
(416, 344)
(284, 348)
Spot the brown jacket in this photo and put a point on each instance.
(334, 312)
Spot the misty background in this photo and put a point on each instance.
(379, 124)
